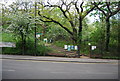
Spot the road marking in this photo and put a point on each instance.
(59, 72)
(9, 70)
(61, 62)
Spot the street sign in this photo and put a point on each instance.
(72, 47)
(39, 33)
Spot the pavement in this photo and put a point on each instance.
(22, 69)
(57, 59)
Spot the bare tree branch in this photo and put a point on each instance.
(108, 6)
(77, 7)
(44, 20)
(91, 9)
(52, 20)
(63, 11)
(100, 9)
(117, 10)
(81, 6)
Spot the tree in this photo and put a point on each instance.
(21, 22)
(4, 16)
(109, 9)
(72, 12)
(21, 27)
(55, 32)
(115, 40)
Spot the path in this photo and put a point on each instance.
(59, 51)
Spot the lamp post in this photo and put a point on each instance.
(89, 48)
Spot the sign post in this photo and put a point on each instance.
(89, 48)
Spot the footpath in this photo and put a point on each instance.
(57, 59)
(60, 52)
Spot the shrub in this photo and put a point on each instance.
(7, 37)
(61, 43)
(10, 50)
(29, 49)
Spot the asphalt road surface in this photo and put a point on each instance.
(23, 69)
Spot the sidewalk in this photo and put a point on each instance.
(57, 59)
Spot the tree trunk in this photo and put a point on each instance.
(22, 44)
(35, 45)
(79, 37)
(79, 43)
(107, 34)
(78, 51)
(118, 47)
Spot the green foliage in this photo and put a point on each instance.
(7, 37)
(21, 24)
(86, 31)
(62, 43)
(85, 49)
(10, 50)
(57, 33)
(109, 57)
(98, 35)
(29, 50)
(41, 49)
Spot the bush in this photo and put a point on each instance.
(29, 49)
(111, 57)
(42, 50)
(10, 50)
(7, 37)
(61, 43)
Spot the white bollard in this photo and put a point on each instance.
(72, 47)
(68, 48)
(76, 47)
(65, 46)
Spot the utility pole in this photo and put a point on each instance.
(35, 27)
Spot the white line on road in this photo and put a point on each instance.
(9, 70)
(59, 72)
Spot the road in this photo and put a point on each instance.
(24, 69)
